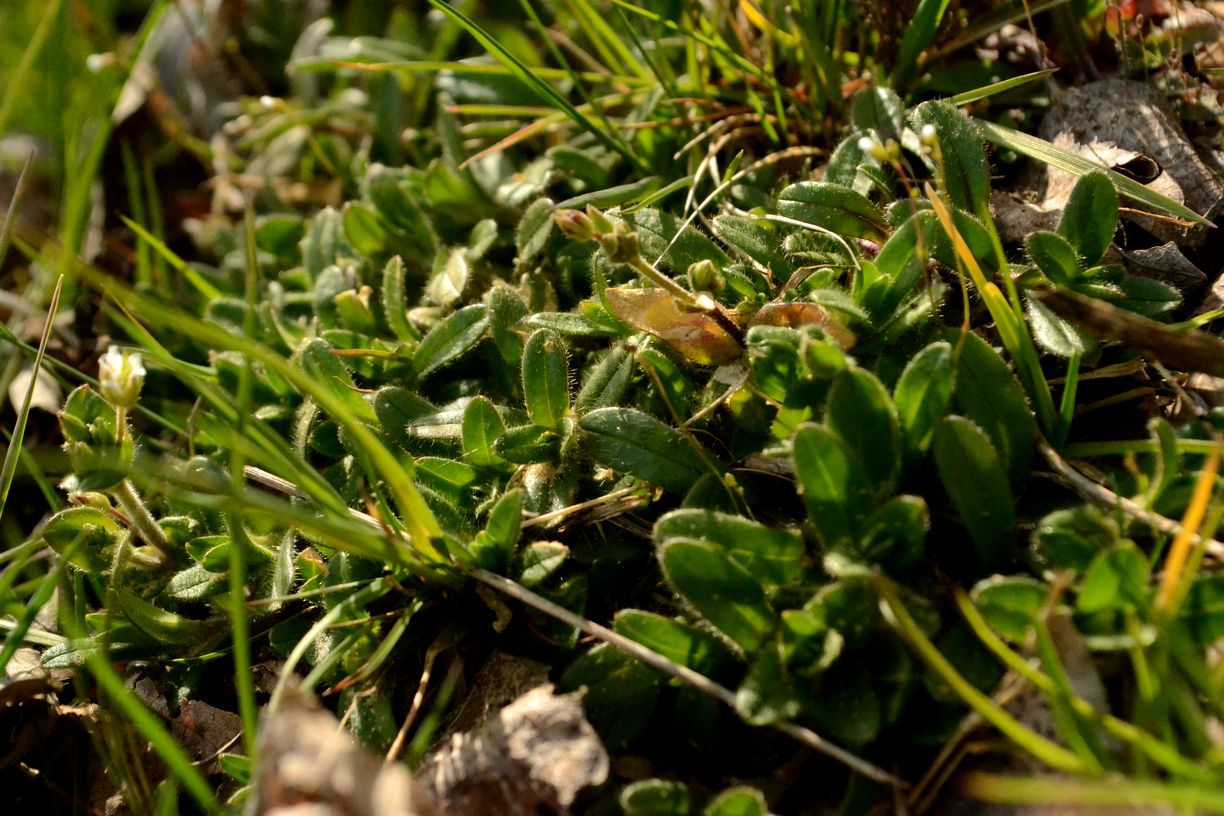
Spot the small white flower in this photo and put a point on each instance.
(120, 376)
(928, 136)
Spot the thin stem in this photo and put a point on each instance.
(140, 517)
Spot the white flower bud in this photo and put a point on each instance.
(120, 376)
(927, 136)
(872, 147)
(97, 63)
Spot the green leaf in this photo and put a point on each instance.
(196, 583)
(903, 257)
(1147, 296)
(1202, 613)
(389, 191)
(987, 393)
(506, 309)
(676, 640)
(756, 240)
(1091, 216)
(1052, 333)
(164, 627)
(528, 444)
(773, 356)
(774, 557)
(621, 693)
(738, 802)
(1070, 539)
(718, 589)
(324, 242)
(767, 694)
(861, 412)
(317, 359)
(894, 535)
(976, 482)
(364, 230)
(833, 485)
(634, 442)
(878, 109)
(1010, 603)
(920, 32)
(1054, 255)
(449, 478)
(534, 229)
(1117, 580)
(84, 535)
(656, 797)
(809, 645)
(395, 300)
(396, 409)
(493, 546)
(506, 519)
(606, 383)
(546, 378)
(923, 393)
(833, 207)
(655, 229)
(847, 708)
(539, 561)
(965, 170)
(456, 335)
(482, 426)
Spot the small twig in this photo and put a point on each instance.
(608, 498)
(1093, 492)
(418, 699)
(683, 673)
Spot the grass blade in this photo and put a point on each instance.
(1043, 151)
(531, 80)
(996, 88)
(419, 521)
(9, 468)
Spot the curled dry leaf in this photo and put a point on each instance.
(700, 337)
(534, 756)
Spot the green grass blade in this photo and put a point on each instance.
(578, 84)
(1051, 753)
(710, 42)
(531, 80)
(240, 629)
(1099, 795)
(134, 181)
(182, 267)
(323, 64)
(42, 594)
(10, 217)
(145, 721)
(9, 469)
(16, 80)
(375, 589)
(996, 88)
(419, 521)
(266, 443)
(1043, 151)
